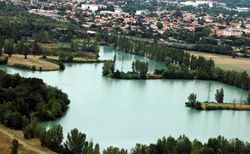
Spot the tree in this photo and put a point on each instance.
(74, 46)
(114, 150)
(8, 47)
(76, 142)
(108, 68)
(140, 67)
(36, 48)
(219, 96)
(92, 149)
(42, 36)
(192, 98)
(14, 147)
(248, 99)
(159, 25)
(52, 138)
(184, 145)
(26, 51)
(22, 48)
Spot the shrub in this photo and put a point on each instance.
(3, 60)
(61, 66)
(33, 68)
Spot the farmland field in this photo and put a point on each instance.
(227, 62)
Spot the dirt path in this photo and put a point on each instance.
(23, 143)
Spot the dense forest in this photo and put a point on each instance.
(18, 24)
(27, 99)
(181, 65)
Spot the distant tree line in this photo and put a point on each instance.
(76, 143)
(52, 138)
(9, 47)
(181, 65)
(26, 99)
(17, 23)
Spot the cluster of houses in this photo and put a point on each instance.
(97, 15)
(118, 19)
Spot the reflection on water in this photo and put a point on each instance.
(125, 112)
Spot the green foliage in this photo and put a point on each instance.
(108, 68)
(17, 22)
(52, 138)
(63, 57)
(192, 98)
(61, 66)
(159, 25)
(20, 97)
(76, 143)
(3, 60)
(90, 47)
(202, 31)
(22, 48)
(8, 47)
(36, 48)
(42, 36)
(31, 130)
(140, 67)
(14, 147)
(219, 96)
(114, 150)
(74, 47)
(183, 145)
(248, 98)
(93, 149)
(181, 65)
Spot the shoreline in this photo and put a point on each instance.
(218, 106)
(38, 63)
(75, 60)
(33, 63)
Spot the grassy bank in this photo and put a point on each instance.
(32, 62)
(31, 146)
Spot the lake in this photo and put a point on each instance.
(125, 112)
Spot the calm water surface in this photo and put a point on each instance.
(124, 112)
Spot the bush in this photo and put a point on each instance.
(14, 147)
(52, 138)
(33, 68)
(28, 132)
(31, 130)
(44, 57)
(3, 60)
(61, 66)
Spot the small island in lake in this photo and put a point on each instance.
(219, 105)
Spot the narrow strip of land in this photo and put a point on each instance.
(218, 106)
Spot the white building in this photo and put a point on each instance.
(197, 3)
(141, 12)
(242, 9)
(92, 7)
